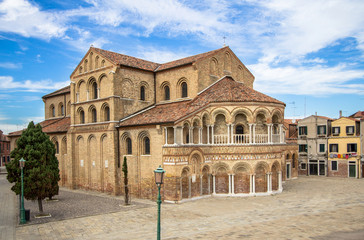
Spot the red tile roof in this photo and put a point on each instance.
(58, 92)
(224, 90)
(358, 114)
(50, 126)
(187, 60)
(129, 61)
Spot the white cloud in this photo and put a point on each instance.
(302, 27)
(22, 17)
(315, 81)
(8, 128)
(7, 82)
(158, 55)
(10, 65)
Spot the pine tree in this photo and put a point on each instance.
(126, 187)
(41, 172)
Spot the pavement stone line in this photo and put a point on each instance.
(8, 210)
(309, 208)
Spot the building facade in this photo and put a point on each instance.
(345, 148)
(313, 134)
(198, 117)
(4, 149)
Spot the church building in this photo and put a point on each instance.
(198, 117)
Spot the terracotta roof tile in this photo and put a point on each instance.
(129, 61)
(187, 60)
(50, 126)
(358, 114)
(225, 90)
(58, 92)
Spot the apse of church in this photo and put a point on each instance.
(199, 117)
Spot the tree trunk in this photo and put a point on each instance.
(126, 190)
(40, 206)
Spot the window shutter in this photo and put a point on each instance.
(318, 129)
(324, 129)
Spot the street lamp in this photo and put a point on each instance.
(159, 173)
(22, 210)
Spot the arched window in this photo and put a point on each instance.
(62, 110)
(142, 93)
(94, 90)
(129, 147)
(146, 146)
(82, 117)
(184, 89)
(187, 138)
(57, 147)
(239, 129)
(53, 111)
(93, 113)
(107, 113)
(166, 93)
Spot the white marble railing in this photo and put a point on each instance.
(275, 138)
(261, 138)
(241, 138)
(221, 139)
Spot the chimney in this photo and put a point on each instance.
(340, 114)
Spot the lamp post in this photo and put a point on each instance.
(159, 173)
(22, 210)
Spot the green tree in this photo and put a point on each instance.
(126, 187)
(41, 172)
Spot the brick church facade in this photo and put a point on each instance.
(198, 117)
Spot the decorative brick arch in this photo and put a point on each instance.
(143, 141)
(242, 172)
(260, 170)
(196, 159)
(242, 110)
(218, 111)
(180, 93)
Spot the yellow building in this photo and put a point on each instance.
(344, 148)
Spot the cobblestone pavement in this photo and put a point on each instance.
(7, 210)
(309, 208)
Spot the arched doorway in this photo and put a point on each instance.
(222, 180)
(275, 176)
(260, 179)
(205, 181)
(185, 183)
(242, 180)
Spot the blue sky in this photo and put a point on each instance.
(307, 53)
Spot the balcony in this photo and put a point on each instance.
(196, 136)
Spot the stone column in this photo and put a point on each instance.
(212, 134)
(189, 186)
(77, 97)
(208, 134)
(182, 135)
(213, 184)
(232, 184)
(209, 183)
(269, 133)
(232, 134)
(250, 133)
(200, 135)
(175, 135)
(253, 185)
(269, 183)
(201, 185)
(166, 135)
(254, 125)
(87, 94)
(98, 93)
(280, 181)
(228, 133)
(229, 183)
(280, 133)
